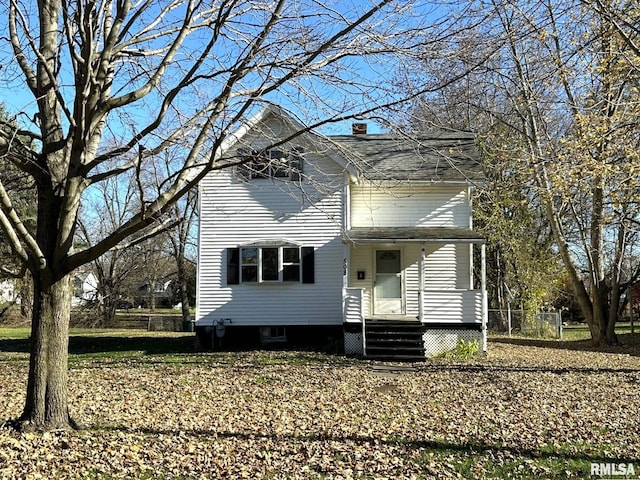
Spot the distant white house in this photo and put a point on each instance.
(8, 293)
(366, 237)
(85, 289)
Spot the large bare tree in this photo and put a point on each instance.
(559, 84)
(101, 88)
(523, 268)
(578, 116)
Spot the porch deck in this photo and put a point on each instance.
(392, 318)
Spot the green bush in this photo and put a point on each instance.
(464, 350)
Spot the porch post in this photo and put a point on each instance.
(483, 273)
(421, 285)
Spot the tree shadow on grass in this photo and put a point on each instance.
(89, 344)
(157, 345)
(630, 344)
(150, 345)
(15, 345)
(441, 446)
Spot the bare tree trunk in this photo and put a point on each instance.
(602, 330)
(109, 306)
(25, 293)
(182, 285)
(46, 402)
(152, 294)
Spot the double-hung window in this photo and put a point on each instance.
(270, 264)
(290, 264)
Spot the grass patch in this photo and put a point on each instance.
(560, 461)
(581, 331)
(464, 350)
(15, 333)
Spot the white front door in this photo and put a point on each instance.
(387, 291)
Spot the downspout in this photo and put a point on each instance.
(346, 224)
(470, 203)
(483, 274)
(200, 254)
(421, 271)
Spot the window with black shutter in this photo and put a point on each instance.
(270, 264)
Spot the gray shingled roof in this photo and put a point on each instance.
(412, 234)
(431, 156)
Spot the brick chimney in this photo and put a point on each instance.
(359, 129)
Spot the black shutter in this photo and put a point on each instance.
(233, 266)
(243, 170)
(296, 164)
(308, 265)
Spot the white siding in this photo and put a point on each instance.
(447, 267)
(235, 212)
(453, 306)
(412, 278)
(406, 206)
(352, 305)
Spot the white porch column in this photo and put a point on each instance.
(345, 278)
(421, 271)
(483, 273)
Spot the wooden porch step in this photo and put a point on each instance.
(394, 339)
(391, 337)
(386, 349)
(396, 357)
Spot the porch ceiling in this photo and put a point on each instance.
(414, 234)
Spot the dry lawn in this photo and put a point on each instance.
(529, 410)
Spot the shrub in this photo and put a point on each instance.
(464, 350)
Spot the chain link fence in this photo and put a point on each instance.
(529, 324)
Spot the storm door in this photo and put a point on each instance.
(387, 291)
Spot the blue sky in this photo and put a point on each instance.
(376, 74)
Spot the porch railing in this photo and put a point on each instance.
(454, 306)
(353, 311)
(352, 305)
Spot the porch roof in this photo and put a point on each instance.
(414, 234)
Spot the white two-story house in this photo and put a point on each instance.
(366, 239)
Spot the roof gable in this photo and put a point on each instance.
(435, 156)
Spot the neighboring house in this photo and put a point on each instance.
(366, 237)
(8, 291)
(85, 289)
(163, 290)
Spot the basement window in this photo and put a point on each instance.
(273, 335)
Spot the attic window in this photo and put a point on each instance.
(273, 163)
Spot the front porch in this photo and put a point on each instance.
(404, 337)
(418, 280)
